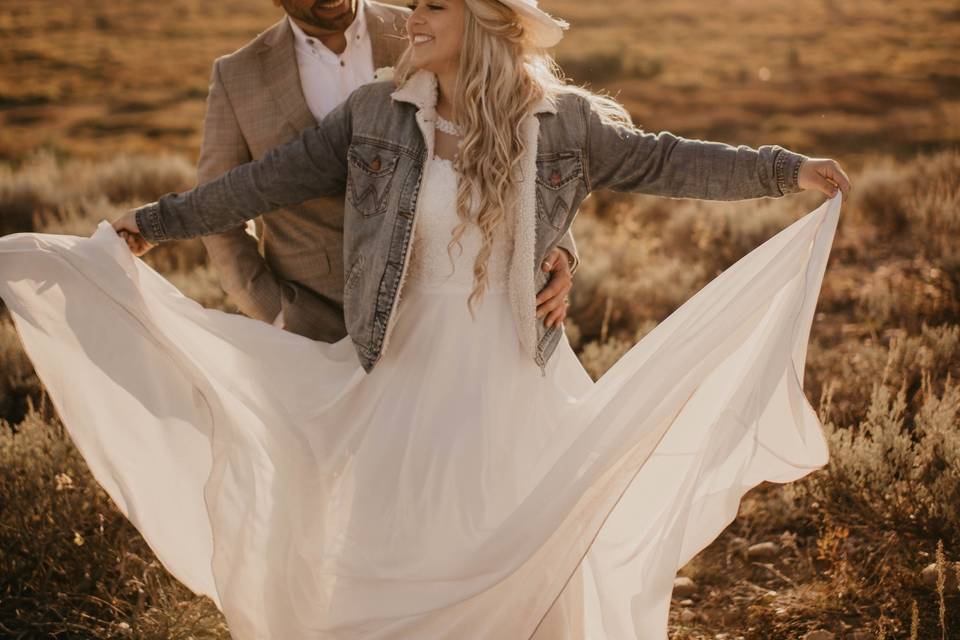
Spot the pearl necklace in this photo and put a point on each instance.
(448, 127)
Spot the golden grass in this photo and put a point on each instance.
(93, 78)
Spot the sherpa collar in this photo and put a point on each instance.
(420, 89)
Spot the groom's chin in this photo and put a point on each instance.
(338, 23)
(334, 22)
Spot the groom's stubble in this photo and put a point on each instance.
(324, 21)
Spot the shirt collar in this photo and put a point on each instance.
(356, 30)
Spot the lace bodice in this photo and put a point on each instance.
(430, 264)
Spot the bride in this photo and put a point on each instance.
(448, 469)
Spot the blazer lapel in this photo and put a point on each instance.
(386, 27)
(278, 62)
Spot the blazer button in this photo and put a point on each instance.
(375, 165)
(555, 178)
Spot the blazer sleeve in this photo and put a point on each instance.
(244, 274)
(310, 166)
(624, 158)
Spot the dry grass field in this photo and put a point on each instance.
(101, 106)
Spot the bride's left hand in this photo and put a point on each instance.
(126, 227)
(824, 175)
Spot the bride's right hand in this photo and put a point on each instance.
(126, 228)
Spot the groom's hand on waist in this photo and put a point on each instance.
(553, 300)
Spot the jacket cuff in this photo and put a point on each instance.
(787, 169)
(149, 223)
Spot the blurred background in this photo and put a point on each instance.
(101, 106)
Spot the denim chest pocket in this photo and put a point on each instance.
(559, 178)
(371, 170)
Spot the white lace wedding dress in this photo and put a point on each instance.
(452, 493)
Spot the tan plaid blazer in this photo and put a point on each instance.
(294, 262)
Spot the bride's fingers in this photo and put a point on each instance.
(135, 242)
(833, 178)
(825, 185)
(141, 246)
(839, 179)
(824, 175)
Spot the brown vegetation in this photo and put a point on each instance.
(875, 84)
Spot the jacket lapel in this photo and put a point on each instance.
(278, 62)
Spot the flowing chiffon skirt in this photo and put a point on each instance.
(454, 492)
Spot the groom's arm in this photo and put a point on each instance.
(244, 274)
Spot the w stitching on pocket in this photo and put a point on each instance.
(557, 174)
(371, 172)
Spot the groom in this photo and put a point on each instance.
(287, 267)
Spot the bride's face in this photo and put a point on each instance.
(435, 30)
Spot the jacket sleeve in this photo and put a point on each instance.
(234, 253)
(308, 167)
(624, 158)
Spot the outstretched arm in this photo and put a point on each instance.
(624, 158)
(313, 165)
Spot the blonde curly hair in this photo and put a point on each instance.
(500, 78)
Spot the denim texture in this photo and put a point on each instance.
(372, 149)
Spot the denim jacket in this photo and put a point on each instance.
(372, 149)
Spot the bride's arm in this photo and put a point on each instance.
(310, 166)
(625, 158)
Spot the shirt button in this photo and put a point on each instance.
(555, 178)
(342, 63)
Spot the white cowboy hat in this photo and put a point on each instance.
(542, 29)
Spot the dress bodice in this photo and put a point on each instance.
(430, 263)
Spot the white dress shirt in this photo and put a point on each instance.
(327, 78)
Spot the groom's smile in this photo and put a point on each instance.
(321, 17)
(332, 8)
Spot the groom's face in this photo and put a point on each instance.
(324, 16)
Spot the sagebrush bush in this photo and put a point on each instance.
(19, 386)
(44, 190)
(893, 471)
(71, 561)
(914, 207)
(627, 281)
(718, 234)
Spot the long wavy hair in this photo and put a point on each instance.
(500, 78)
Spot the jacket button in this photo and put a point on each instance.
(555, 178)
(375, 165)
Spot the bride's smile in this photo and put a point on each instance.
(435, 31)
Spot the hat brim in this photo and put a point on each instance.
(542, 29)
